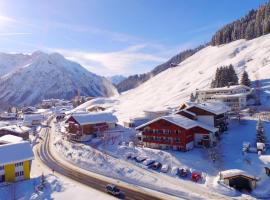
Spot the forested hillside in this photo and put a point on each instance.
(255, 24)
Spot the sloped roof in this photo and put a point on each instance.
(94, 118)
(16, 128)
(180, 121)
(213, 107)
(235, 172)
(15, 152)
(10, 139)
(186, 111)
(232, 87)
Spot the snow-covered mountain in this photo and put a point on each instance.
(171, 87)
(116, 79)
(27, 79)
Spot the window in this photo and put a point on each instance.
(21, 173)
(18, 164)
(1, 167)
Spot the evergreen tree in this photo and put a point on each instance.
(245, 79)
(225, 76)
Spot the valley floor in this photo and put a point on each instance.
(109, 158)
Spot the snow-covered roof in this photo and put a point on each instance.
(10, 139)
(235, 172)
(94, 118)
(180, 121)
(8, 115)
(16, 128)
(17, 152)
(213, 107)
(31, 117)
(221, 96)
(228, 88)
(186, 111)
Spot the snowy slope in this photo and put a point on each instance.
(171, 87)
(27, 79)
(10, 62)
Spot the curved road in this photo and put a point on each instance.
(47, 158)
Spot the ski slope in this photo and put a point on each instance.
(171, 87)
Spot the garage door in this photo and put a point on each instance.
(240, 183)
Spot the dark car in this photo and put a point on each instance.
(113, 190)
(183, 172)
(156, 165)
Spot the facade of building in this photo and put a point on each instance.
(84, 126)
(233, 96)
(213, 114)
(176, 132)
(33, 119)
(17, 165)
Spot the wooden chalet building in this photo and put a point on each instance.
(212, 114)
(84, 126)
(176, 132)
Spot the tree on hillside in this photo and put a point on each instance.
(225, 76)
(245, 79)
(254, 24)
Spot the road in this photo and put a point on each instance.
(47, 158)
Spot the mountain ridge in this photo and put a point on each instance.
(40, 75)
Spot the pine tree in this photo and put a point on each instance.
(225, 76)
(245, 79)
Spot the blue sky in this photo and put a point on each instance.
(113, 37)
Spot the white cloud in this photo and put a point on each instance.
(5, 19)
(126, 61)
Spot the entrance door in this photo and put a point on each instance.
(240, 183)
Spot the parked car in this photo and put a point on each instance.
(196, 176)
(130, 156)
(156, 165)
(148, 162)
(113, 190)
(175, 170)
(184, 172)
(140, 159)
(164, 168)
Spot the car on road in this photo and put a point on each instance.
(184, 172)
(196, 176)
(156, 166)
(130, 156)
(165, 168)
(113, 190)
(175, 170)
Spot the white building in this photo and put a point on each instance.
(234, 96)
(33, 119)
